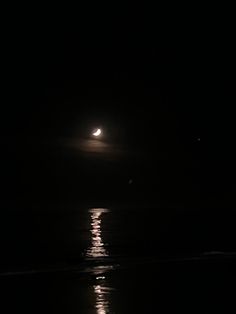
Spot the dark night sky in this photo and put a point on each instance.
(175, 85)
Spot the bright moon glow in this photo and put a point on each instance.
(97, 132)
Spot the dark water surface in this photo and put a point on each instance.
(117, 259)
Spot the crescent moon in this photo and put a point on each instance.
(97, 132)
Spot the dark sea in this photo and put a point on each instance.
(64, 249)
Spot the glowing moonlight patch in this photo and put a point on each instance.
(97, 132)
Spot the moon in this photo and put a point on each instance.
(97, 132)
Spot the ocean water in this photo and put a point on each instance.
(121, 258)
